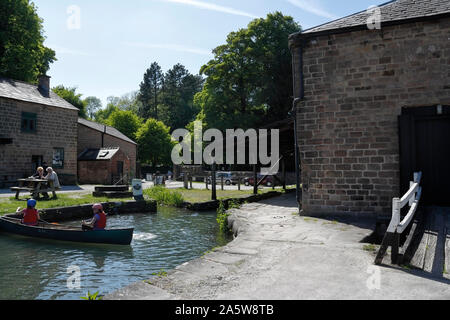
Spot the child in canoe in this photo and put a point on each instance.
(30, 214)
(98, 222)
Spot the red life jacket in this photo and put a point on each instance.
(30, 217)
(100, 224)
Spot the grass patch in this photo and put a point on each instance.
(160, 273)
(203, 195)
(9, 205)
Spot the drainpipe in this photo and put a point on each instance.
(294, 114)
(103, 136)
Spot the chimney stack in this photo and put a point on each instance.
(44, 85)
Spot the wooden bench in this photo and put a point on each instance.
(35, 186)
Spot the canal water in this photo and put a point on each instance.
(45, 269)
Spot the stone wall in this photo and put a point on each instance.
(355, 85)
(55, 128)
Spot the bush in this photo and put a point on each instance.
(165, 196)
(222, 218)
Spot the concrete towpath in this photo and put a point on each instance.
(278, 255)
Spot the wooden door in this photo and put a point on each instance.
(433, 159)
(425, 146)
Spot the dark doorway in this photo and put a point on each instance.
(120, 169)
(425, 146)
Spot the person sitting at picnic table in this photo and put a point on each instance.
(30, 214)
(52, 177)
(39, 173)
(98, 222)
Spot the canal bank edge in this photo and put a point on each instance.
(85, 211)
(214, 204)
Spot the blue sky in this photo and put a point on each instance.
(103, 47)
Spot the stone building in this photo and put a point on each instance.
(102, 166)
(96, 136)
(36, 127)
(373, 106)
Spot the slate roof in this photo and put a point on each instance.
(109, 130)
(391, 12)
(98, 154)
(22, 91)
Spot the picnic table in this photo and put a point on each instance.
(34, 186)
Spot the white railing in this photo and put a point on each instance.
(412, 197)
(397, 226)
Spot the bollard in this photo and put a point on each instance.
(239, 184)
(255, 180)
(213, 183)
(185, 181)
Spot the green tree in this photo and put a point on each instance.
(128, 102)
(180, 86)
(93, 104)
(126, 122)
(154, 143)
(70, 95)
(150, 89)
(102, 115)
(23, 55)
(249, 80)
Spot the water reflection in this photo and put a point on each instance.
(37, 268)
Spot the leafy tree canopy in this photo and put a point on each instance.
(93, 104)
(102, 115)
(154, 143)
(249, 81)
(180, 86)
(70, 95)
(126, 122)
(23, 55)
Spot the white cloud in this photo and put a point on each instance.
(312, 7)
(213, 7)
(173, 47)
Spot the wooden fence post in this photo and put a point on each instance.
(395, 248)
